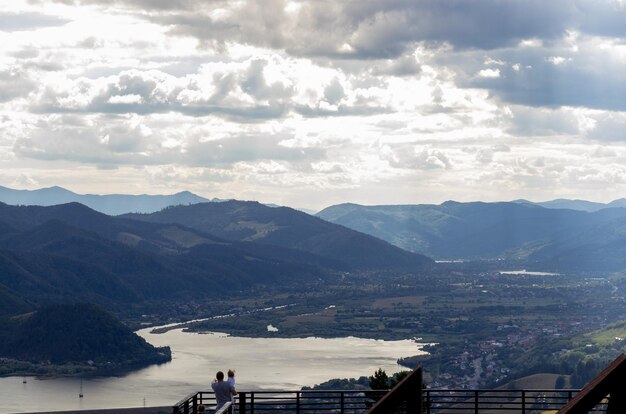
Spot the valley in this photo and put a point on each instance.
(272, 272)
(488, 327)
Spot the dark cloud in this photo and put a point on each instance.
(12, 22)
(604, 18)
(592, 80)
(542, 122)
(363, 29)
(334, 92)
(402, 66)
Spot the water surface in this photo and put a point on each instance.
(261, 363)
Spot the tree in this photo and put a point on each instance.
(380, 380)
(395, 380)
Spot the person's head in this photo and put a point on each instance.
(219, 376)
(231, 373)
(201, 409)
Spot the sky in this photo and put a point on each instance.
(314, 103)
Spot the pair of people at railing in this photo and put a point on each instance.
(224, 390)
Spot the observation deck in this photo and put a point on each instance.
(604, 394)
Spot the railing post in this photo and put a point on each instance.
(342, 403)
(186, 408)
(428, 401)
(523, 401)
(475, 402)
(298, 402)
(251, 403)
(195, 404)
(242, 403)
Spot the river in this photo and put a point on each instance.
(261, 363)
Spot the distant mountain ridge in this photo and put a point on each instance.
(111, 204)
(68, 252)
(555, 239)
(580, 205)
(248, 221)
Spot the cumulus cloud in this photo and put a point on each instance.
(240, 91)
(230, 150)
(106, 140)
(415, 157)
(365, 29)
(609, 127)
(395, 96)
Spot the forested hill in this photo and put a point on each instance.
(286, 227)
(553, 239)
(81, 334)
(70, 252)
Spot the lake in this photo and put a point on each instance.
(261, 363)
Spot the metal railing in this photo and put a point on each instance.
(226, 408)
(434, 401)
(288, 402)
(498, 401)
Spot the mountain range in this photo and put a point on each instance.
(117, 204)
(581, 205)
(248, 221)
(548, 238)
(70, 252)
(111, 204)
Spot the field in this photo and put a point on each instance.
(490, 328)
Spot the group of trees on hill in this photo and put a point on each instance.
(78, 333)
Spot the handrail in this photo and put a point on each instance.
(224, 408)
(343, 401)
(433, 401)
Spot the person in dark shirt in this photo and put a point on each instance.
(223, 390)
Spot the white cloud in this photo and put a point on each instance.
(489, 73)
(403, 101)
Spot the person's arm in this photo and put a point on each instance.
(233, 391)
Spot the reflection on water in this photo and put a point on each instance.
(527, 273)
(261, 363)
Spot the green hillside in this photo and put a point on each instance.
(80, 335)
(286, 227)
(546, 238)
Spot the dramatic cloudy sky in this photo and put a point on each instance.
(312, 103)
